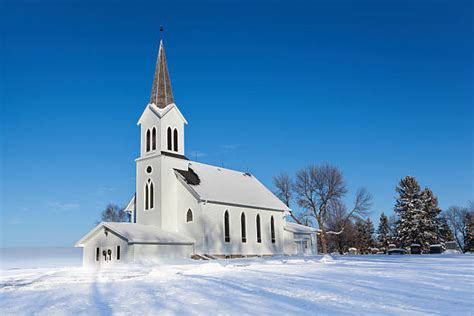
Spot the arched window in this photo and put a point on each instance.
(189, 216)
(152, 195)
(175, 137)
(147, 140)
(242, 225)
(149, 195)
(272, 228)
(259, 232)
(153, 139)
(226, 227)
(147, 189)
(169, 138)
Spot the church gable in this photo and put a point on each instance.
(160, 113)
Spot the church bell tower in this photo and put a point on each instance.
(161, 146)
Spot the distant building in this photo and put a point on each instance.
(184, 208)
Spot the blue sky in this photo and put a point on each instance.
(380, 89)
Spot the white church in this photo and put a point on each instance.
(188, 209)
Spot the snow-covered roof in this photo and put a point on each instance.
(297, 228)
(160, 112)
(138, 234)
(131, 205)
(219, 185)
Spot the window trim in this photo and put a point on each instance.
(147, 149)
(153, 138)
(272, 229)
(169, 138)
(149, 195)
(146, 198)
(243, 227)
(175, 140)
(189, 211)
(226, 226)
(152, 195)
(259, 229)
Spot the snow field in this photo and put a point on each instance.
(342, 285)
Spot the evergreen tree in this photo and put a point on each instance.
(383, 233)
(359, 236)
(469, 233)
(428, 219)
(392, 229)
(444, 231)
(408, 207)
(369, 235)
(364, 235)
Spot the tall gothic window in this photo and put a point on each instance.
(169, 138)
(189, 216)
(226, 227)
(272, 228)
(153, 139)
(152, 195)
(147, 140)
(259, 232)
(242, 226)
(149, 195)
(175, 137)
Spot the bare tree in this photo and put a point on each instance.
(456, 217)
(318, 191)
(284, 191)
(317, 188)
(360, 210)
(337, 225)
(113, 213)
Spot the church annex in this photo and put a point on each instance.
(185, 209)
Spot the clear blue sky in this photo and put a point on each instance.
(380, 89)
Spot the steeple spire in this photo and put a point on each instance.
(161, 94)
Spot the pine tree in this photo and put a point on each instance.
(359, 235)
(444, 231)
(428, 217)
(392, 229)
(364, 235)
(469, 233)
(383, 232)
(408, 207)
(369, 235)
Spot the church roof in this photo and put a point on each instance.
(138, 234)
(224, 186)
(161, 94)
(297, 228)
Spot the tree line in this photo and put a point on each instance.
(316, 194)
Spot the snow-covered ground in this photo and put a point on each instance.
(378, 284)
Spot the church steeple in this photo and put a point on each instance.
(161, 94)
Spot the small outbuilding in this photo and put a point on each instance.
(396, 251)
(114, 243)
(415, 249)
(300, 239)
(436, 249)
(451, 247)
